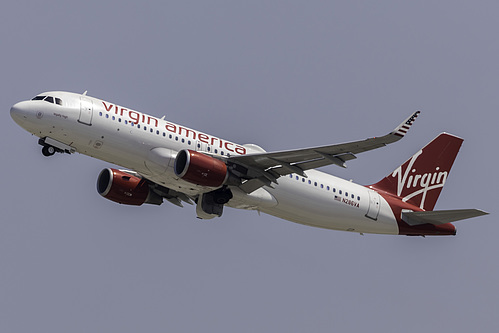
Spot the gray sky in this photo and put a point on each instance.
(281, 74)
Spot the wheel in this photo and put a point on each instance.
(48, 151)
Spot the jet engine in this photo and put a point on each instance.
(200, 169)
(124, 188)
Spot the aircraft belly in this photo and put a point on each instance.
(314, 206)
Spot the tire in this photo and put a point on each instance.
(48, 151)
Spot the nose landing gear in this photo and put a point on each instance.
(48, 151)
(51, 146)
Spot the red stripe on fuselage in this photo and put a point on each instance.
(397, 205)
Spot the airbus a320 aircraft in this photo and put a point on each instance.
(168, 161)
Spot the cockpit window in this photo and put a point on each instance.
(50, 99)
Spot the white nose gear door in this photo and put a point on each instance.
(373, 210)
(86, 111)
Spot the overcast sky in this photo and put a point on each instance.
(281, 74)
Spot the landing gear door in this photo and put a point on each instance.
(86, 111)
(373, 210)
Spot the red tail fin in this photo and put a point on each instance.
(420, 180)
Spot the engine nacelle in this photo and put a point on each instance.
(200, 169)
(124, 188)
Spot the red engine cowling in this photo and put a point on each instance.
(200, 169)
(123, 188)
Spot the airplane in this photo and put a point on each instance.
(167, 161)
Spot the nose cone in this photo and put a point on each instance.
(16, 113)
(19, 112)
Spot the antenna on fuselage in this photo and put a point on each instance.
(85, 93)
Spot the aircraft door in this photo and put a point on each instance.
(86, 111)
(374, 203)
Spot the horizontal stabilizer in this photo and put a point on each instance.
(437, 217)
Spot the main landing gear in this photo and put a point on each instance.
(211, 204)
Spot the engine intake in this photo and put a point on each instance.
(124, 188)
(200, 169)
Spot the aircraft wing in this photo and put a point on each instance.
(264, 168)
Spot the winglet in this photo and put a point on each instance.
(403, 128)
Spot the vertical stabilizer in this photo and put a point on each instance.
(420, 180)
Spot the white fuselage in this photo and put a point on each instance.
(148, 146)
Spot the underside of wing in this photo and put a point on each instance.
(264, 168)
(172, 196)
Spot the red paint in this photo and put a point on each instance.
(420, 179)
(137, 117)
(122, 187)
(200, 169)
(416, 184)
(397, 205)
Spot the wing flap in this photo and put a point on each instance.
(273, 165)
(438, 217)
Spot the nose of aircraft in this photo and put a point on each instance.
(19, 112)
